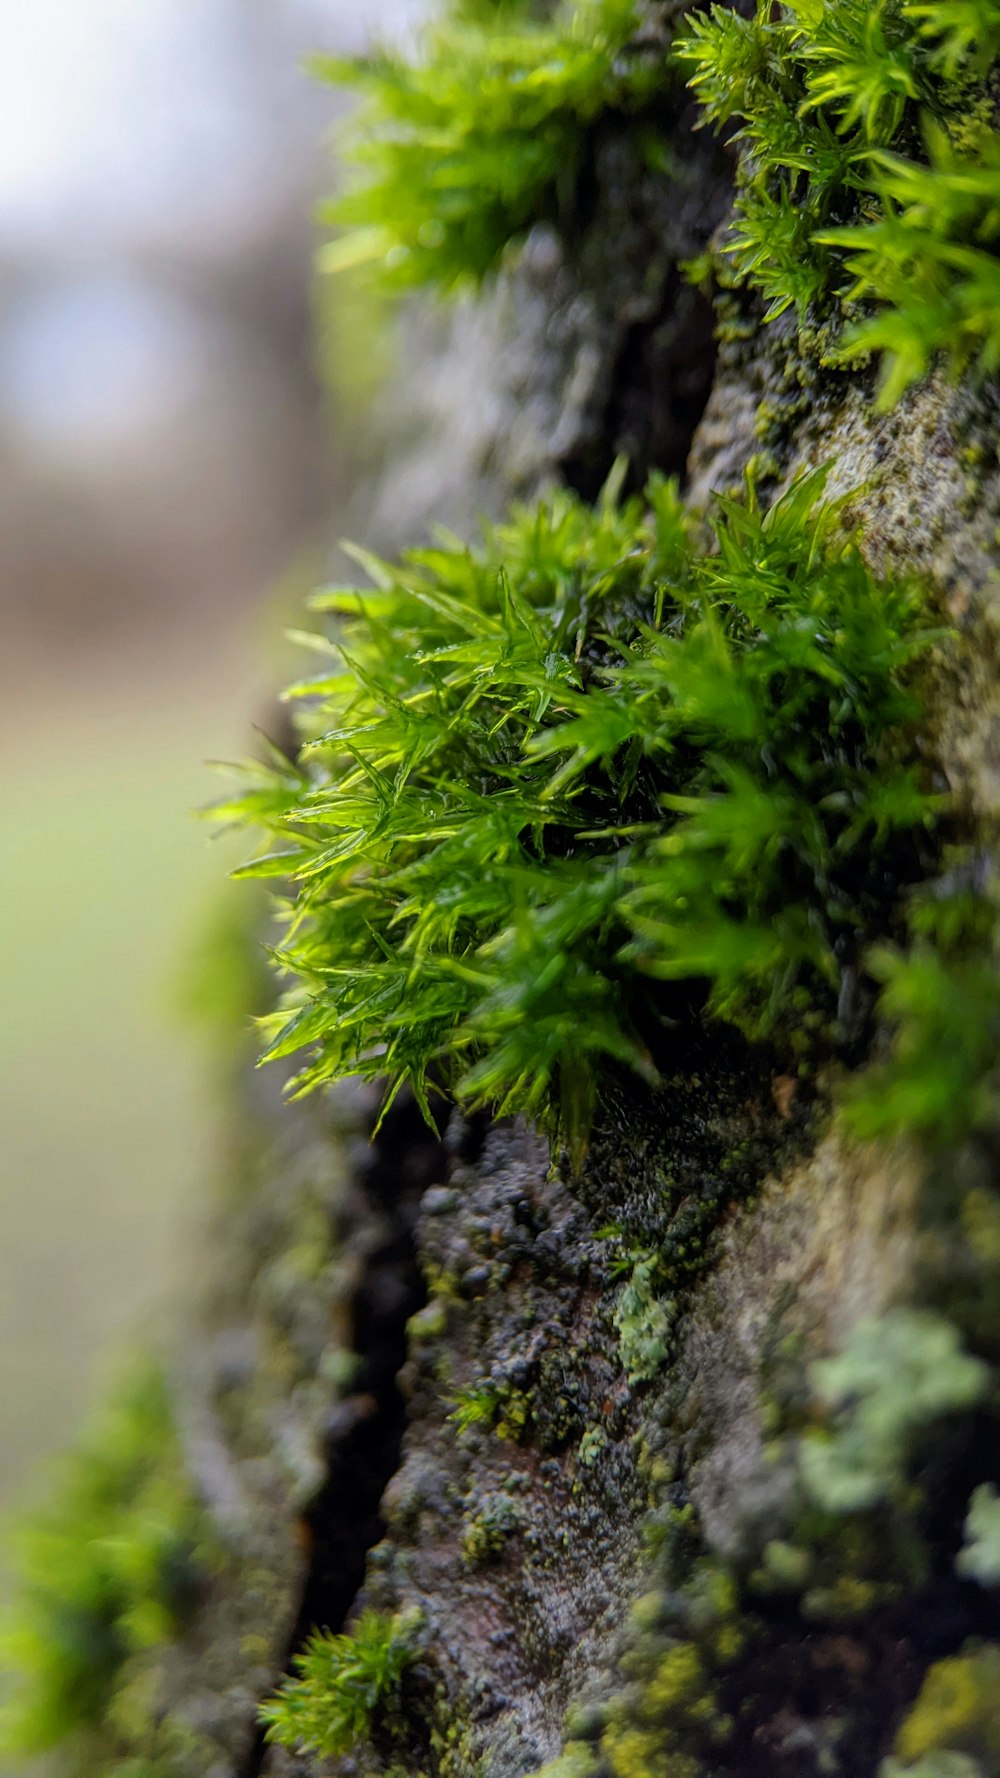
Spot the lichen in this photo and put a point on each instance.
(958, 1710)
(896, 1375)
(488, 1526)
(979, 1559)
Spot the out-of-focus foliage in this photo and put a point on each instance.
(897, 1375)
(458, 152)
(941, 1001)
(980, 1558)
(108, 1569)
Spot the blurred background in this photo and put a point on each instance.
(170, 471)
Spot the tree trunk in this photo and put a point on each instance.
(434, 1384)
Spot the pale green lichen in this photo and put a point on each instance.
(980, 1558)
(896, 1375)
(644, 1320)
(487, 1528)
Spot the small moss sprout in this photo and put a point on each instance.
(344, 1687)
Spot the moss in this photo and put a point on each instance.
(345, 1689)
(866, 150)
(940, 1000)
(585, 786)
(460, 150)
(495, 1406)
(109, 1570)
(225, 984)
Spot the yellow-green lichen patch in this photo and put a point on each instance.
(958, 1710)
(488, 1525)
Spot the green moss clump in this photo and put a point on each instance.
(460, 152)
(567, 792)
(109, 1570)
(492, 1406)
(869, 170)
(345, 1689)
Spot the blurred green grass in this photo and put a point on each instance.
(106, 1112)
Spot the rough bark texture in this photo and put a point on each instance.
(636, 1459)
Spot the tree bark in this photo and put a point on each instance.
(634, 1487)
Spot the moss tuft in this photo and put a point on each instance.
(869, 169)
(458, 152)
(345, 1688)
(565, 795)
